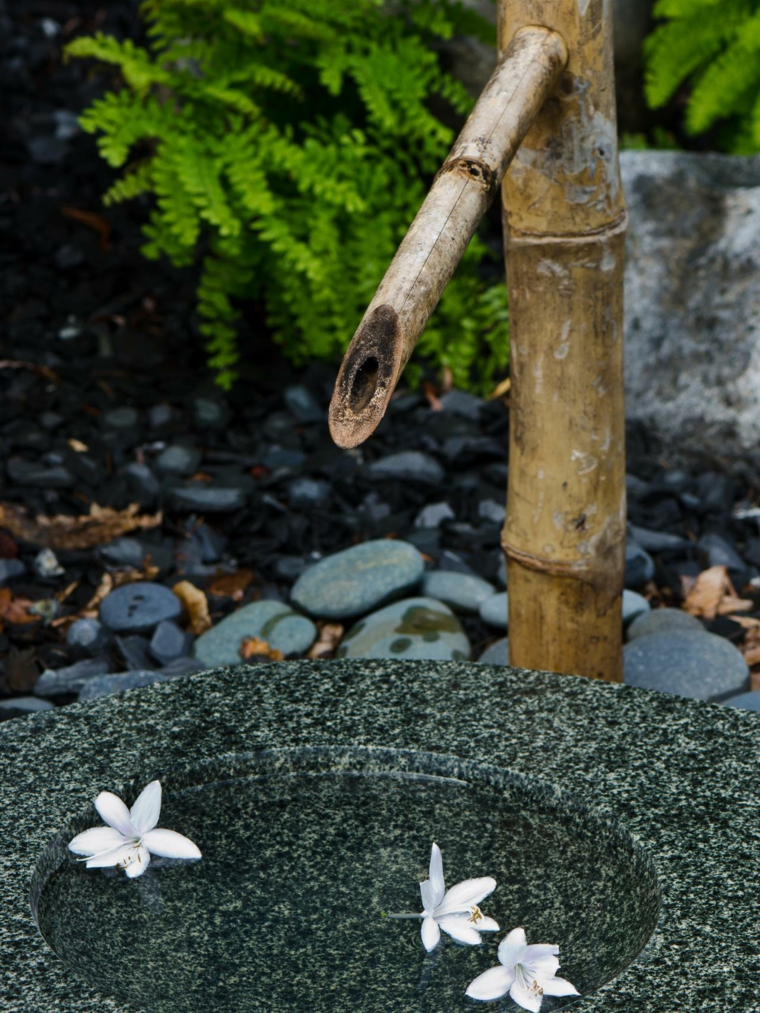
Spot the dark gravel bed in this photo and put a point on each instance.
(140, 506)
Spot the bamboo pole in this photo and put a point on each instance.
(425, 261)
(564, 225)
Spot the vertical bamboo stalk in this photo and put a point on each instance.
(564, 227)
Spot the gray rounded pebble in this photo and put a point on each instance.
(87, 636)
(272, 621)
(207, 499)
(169, 641)
(120, 418)
(71, 678)
(639, 566)
(745, 701)
(357, 580)
(178, 460)
(104, 685)
(700, 666)
(420, 628)
(494, 610)
(460, 591)
(25, 705)
(496, 654)
(139, 607)
(663, 620)
(633, 605)
(11, 568)
(409, 466)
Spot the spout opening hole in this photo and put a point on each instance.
(364, 384)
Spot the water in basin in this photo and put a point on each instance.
(304, 851)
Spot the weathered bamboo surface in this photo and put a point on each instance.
(426, 259)
(564, 225)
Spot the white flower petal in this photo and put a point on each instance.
(538, 950)
(512, 948)
(460, 928)
(430, 933)
(118, 856)
(523, 997)
(138, 862)
(169, 844)
(93, 842)
(115, 813)
(491, 984)
(428, 895)
(464, 895)
(486, 924)
(147, 808)
(436, 874)
(543, 967)
(558, 986)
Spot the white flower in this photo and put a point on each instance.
(455, 911)
(130, 838)
(526, 972)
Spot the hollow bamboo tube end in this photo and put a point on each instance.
(367, 378)
(438, 236)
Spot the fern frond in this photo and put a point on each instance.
(136, 180)
(139, 71)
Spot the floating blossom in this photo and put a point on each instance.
(526, 972)
(130, 837)
(455, 911)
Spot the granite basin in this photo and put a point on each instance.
(306, 851)
(672, 781)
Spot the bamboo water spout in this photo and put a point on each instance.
(549, 110)
(426, 259)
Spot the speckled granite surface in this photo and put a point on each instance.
(681, 776)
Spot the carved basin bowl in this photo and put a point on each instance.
(305, 852)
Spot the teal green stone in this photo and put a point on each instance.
(412, 628)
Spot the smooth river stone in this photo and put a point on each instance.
(139, 607)
(691, 664)
(664, 621)
(496, 654)
(272, 621)
(462, 592)
(494, 610)
(745, 701)
(633, 605)
(413, 628)
(355, 581)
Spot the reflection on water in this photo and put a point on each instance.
(285, 910)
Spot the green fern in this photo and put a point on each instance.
(715, 46)
(287, 145)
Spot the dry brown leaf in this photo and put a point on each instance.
(93, 221)
(500, 390)
(730, 604)
(21, 670)
(751, 654)
(101, 525)
(712, 593)
(432, 397)
(15, 610)
(327, 641)
(254, 647)
(44, 371)
(231, 585)
(754, 680)
(748, 622)
(196, 606)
